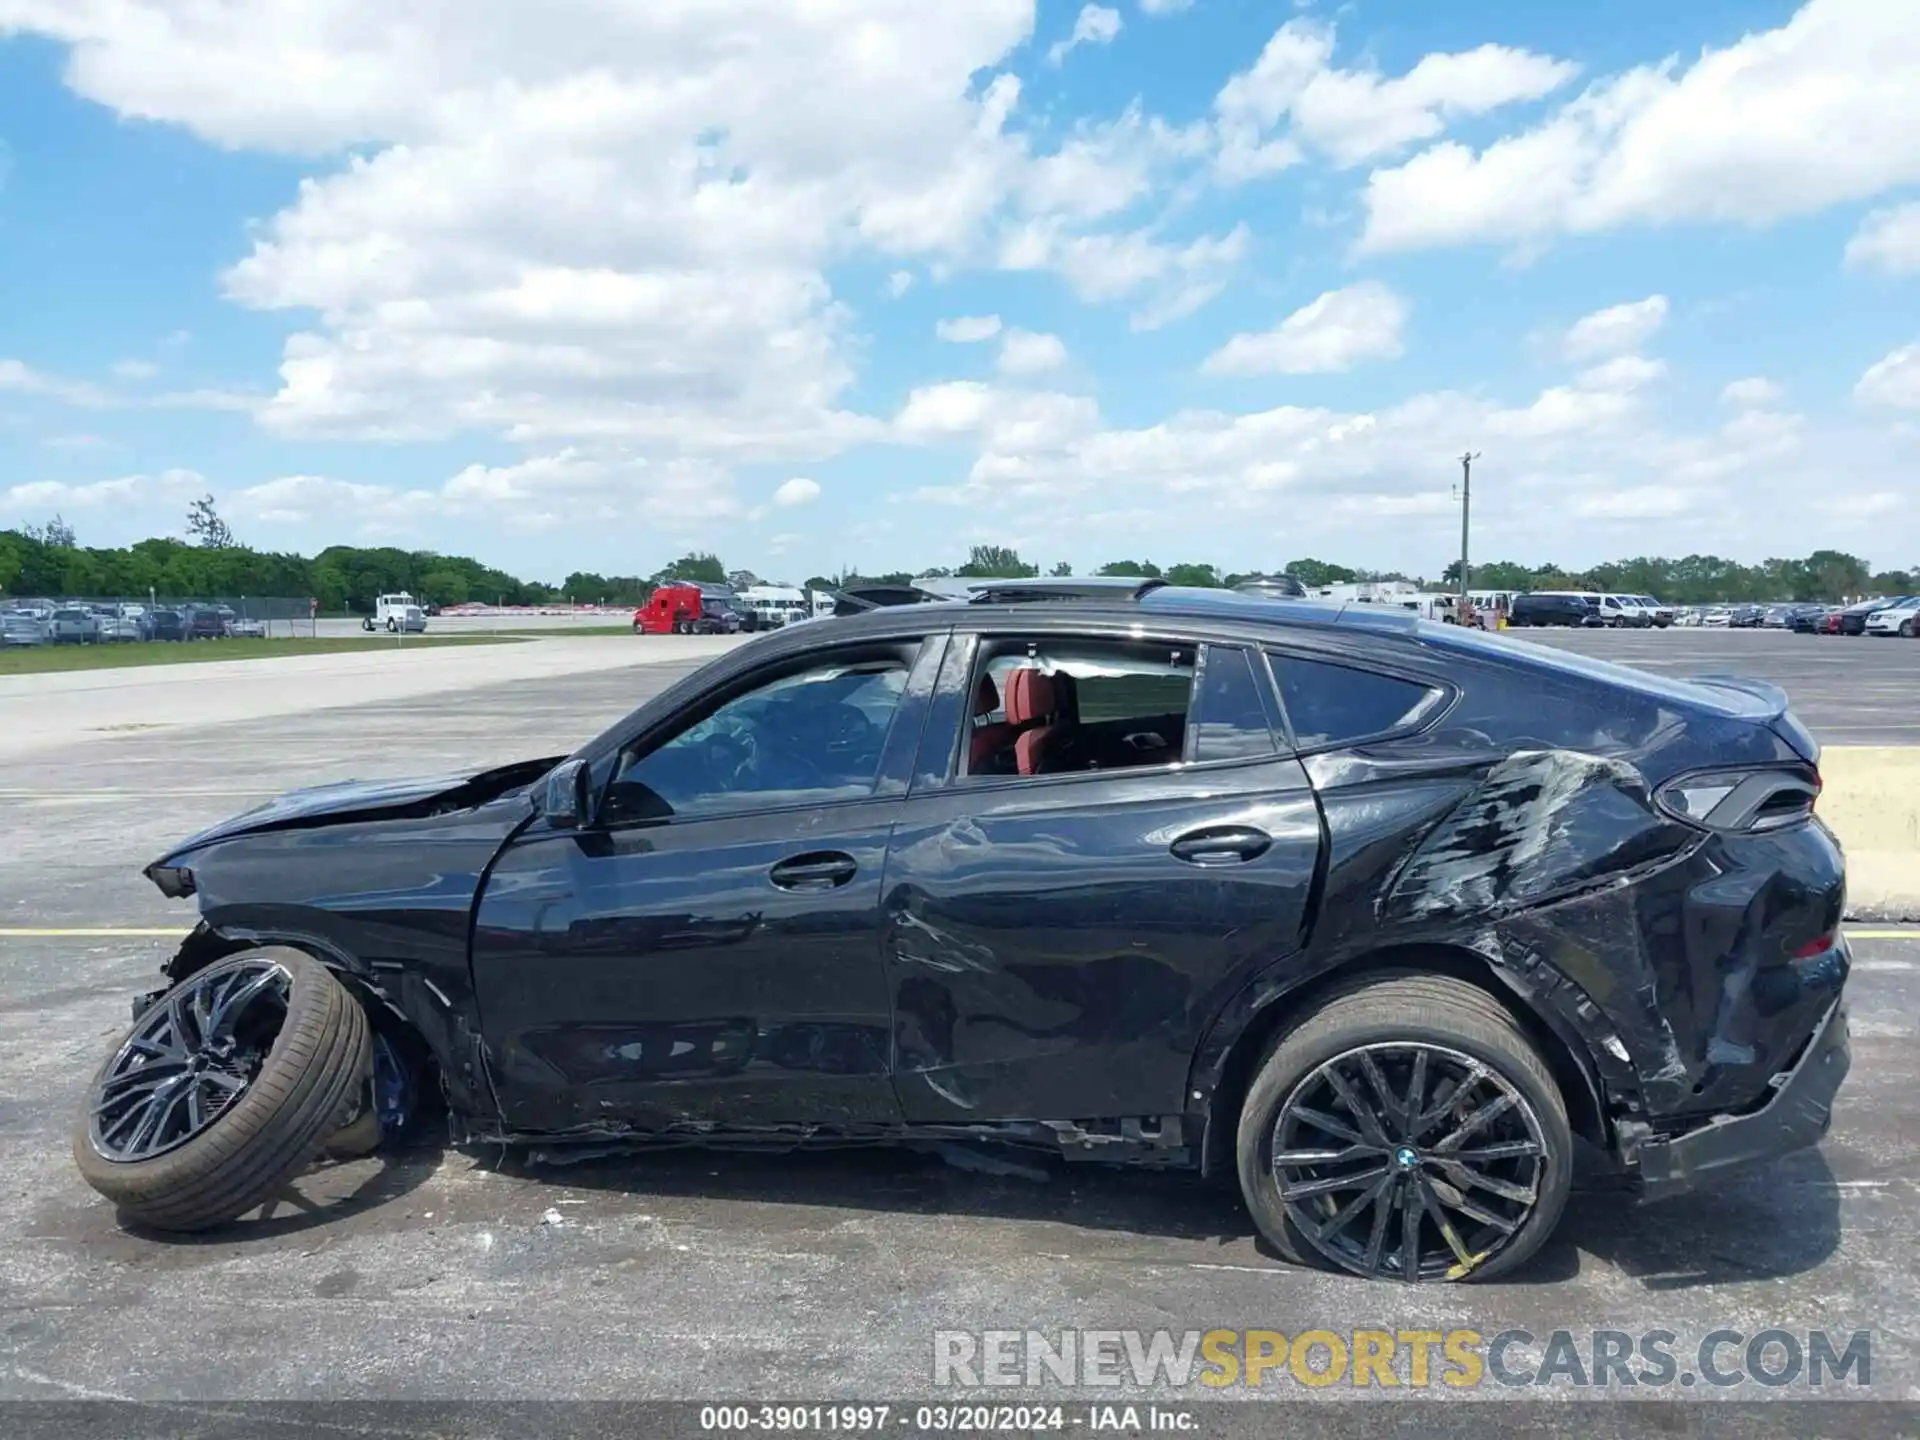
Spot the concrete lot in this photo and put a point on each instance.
(692, 1275)
(1849, 690)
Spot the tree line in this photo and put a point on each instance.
(48, 561)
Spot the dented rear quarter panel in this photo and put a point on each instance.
(1521, 828)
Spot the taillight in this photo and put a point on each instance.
(1743, 801)
(1815, 947)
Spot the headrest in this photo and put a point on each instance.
(986, 699)
(1030, 697)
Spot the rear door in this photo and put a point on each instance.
(1056, 941)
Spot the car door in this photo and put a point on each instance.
(1057, 941)
(705, 953)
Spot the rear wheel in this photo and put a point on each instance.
(223, 1090)
(1406, 1129)
(1906, 628)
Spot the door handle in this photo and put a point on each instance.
(822, 870)
(1222, 845)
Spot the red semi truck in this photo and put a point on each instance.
(683, 608)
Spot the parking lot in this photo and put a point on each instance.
(463, 1274)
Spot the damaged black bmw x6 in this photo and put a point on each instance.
(1380, 917)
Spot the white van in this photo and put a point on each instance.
(1621, 611)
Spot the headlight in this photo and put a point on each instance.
(175, 881)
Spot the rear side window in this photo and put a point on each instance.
(1338, 705)
(1229, 722)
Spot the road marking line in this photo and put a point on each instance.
(1885, 965)
(1853, 933)
(27, 933)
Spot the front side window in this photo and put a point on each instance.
(1330, 704)
(808, 738)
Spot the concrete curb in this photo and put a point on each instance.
(1870, 799)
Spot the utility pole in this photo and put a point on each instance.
(1466, 511)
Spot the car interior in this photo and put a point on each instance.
(1044, 709)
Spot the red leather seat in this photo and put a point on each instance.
(1032, 708)
(990, 739)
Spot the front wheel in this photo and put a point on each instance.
(223, 1090)
(1406, 1129)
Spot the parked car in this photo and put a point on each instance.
(1660, 615)
(114, 626)
(166, 625)
(1809, 619)
(1157, 876)
(17, 627)
(204, 623)
(1557, 607)
(1900, 618)
(247, 629)
(70, 625)
(1853, 619)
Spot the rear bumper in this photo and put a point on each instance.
(1798, 1115)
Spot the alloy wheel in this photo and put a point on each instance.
(1408, 1161)
(189, 1059)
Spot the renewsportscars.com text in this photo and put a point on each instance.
(1377, 1358)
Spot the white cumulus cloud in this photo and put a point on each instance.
(1893, 380)
(1783, 122)
(967, 329)
(797, 491)
(1294, 98)
(1888, 240)
(1616, 329)
(1024, 352)
(1094, 25)
(1333, 333)
(1753, 392)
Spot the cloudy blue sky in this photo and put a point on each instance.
(581, 283)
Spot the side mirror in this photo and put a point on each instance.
(566, 800)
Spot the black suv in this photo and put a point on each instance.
(1552, 609)
(1165, 877)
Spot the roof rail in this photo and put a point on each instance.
(1098, 587)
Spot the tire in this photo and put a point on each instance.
(1387, 1016)
(1906, 629)
(307, 1082)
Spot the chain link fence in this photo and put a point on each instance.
(153, 617)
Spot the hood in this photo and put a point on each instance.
(351, 800)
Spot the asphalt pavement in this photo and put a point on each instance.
(444, 1274)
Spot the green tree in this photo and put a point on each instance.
(56, 534)
(1061, 570)
(209, 531)
(1204, 576)
(820, 582)
(1146, 569)
(1836, 574)
(1312, 572)
(996, 562)
(697, 565)
(445, 587)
